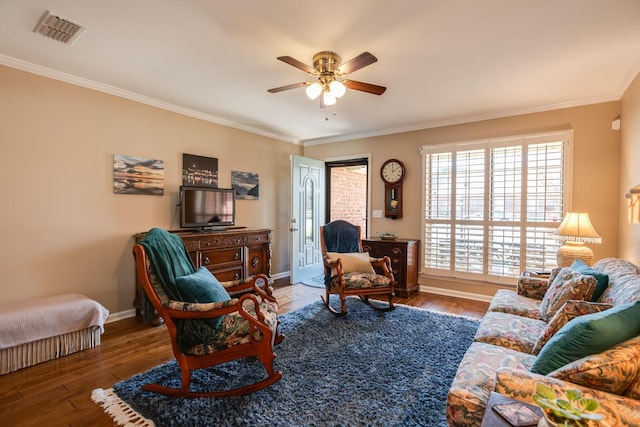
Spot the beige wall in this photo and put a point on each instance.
(62, 227)
(629, 244)
(596, 166)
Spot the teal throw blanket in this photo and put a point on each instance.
(168, 258)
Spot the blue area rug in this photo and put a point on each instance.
(365, 369)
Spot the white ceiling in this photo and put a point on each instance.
(443, 61)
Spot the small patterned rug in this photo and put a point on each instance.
(314, 282)
(367, 368)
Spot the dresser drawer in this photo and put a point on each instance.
(258, 238)
(220, 256)
(227, 274)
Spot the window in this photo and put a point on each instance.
(491, 206)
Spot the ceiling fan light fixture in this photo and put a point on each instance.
(314, 90)
(337, 88)
(328, 98)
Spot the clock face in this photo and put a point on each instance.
(392, 171)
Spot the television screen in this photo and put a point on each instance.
(207, 207)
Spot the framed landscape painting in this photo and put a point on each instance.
(199, 171)
(246, 185)
(137, 175)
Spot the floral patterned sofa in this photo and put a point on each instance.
(537, 332)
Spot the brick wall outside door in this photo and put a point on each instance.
(349, 195)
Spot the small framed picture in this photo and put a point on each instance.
(517, 414)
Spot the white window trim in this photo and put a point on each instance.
(567, 134)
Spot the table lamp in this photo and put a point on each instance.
(575, 230)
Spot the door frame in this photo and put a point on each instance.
(366, 156)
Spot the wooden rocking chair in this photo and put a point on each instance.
(246, 326)
(348, 271)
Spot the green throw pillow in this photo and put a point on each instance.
(203, 287)
(587, 335)
(601, 278)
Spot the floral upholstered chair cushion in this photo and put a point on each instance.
(474, 381)
(567, 285)
(569, 310)
(613, 370)
(358, 272)
(361, 281)
(235, 329)
(199, 338)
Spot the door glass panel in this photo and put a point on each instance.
(308, 211)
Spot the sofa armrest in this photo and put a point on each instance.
(521, 385)
(535, 286)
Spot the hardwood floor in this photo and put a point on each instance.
(58, 393)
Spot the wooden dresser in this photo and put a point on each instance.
(229, 255)
(404, 261)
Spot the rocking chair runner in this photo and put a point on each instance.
(348, 271)
(246, 326)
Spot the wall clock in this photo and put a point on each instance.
(393, 174)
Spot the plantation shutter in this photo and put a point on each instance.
(491, 206)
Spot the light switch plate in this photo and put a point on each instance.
(377, 213)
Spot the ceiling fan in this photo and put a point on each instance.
(328, 67)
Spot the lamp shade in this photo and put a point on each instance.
(575, 230)
(576, 227)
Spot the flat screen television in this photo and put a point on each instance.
(205, 207)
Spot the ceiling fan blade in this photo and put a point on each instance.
(360, 61)
(287, 87)
(300, 65)
(364, 87)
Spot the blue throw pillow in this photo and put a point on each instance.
(601, 278)
(587, 335)
(203, 287)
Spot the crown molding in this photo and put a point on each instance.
(112, 90)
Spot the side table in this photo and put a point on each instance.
(404, 261)
(493, 419)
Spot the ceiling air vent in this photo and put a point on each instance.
(57, 28)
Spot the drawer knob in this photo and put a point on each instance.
(205, 260)
(255, 261)
(237, 277)
(237, 256)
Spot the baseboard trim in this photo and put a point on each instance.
(132, 312)
(280, 275)
(121, 315)
(456, 294)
